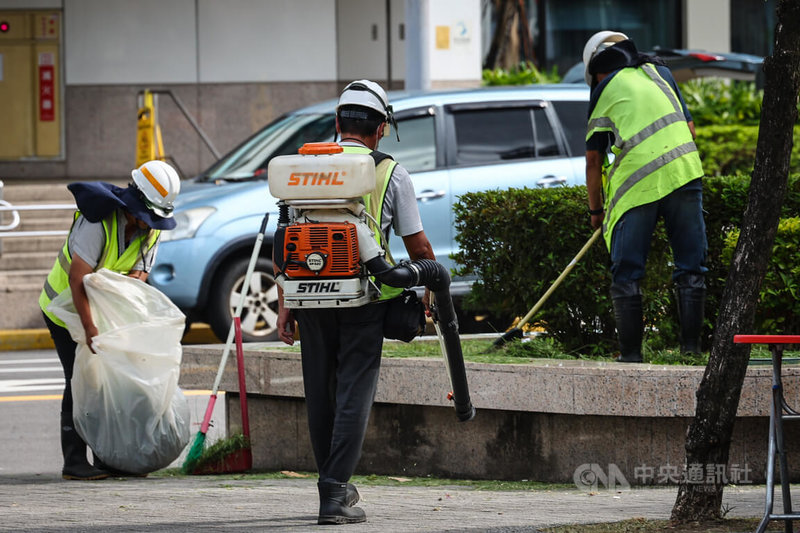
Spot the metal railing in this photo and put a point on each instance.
(5, 229)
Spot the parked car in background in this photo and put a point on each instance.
(690, 64)
(451, 142)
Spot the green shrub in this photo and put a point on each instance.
(778, 309)
(720, 101)
(522, 74)
(729, 149)
(518, 241)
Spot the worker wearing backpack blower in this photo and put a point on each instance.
(341, 347)
(637, 112)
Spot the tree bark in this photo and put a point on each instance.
(504, 39)
(709, 435)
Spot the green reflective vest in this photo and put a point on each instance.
(374, 204)
(58, 278)
(654, 153)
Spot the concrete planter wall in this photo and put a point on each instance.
(548, 420)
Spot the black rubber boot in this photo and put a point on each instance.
(333, 505)
(74, 450)
(628, 314)
(691, 292)
(352, 496)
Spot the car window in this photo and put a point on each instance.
(546, 144)
(282, 137)
(416, 150)
(494, 135)
(573, 117)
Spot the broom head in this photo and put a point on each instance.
(195, 452)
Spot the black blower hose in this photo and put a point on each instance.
(434, 276)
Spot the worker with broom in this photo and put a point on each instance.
(341, 347)
(118, 229)
(637, 113)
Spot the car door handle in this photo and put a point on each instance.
(551, 181)
(429, 194)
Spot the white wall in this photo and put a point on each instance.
(267, 40)
(123, 42)
(459, 56)
(166, 41)
(359, 55)
(708, 25)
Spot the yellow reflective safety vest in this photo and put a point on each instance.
(374, 204)
(58, 278)
(654, 153)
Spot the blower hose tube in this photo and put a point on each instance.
(435, 277)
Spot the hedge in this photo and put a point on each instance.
(518, 241)
(728, 149)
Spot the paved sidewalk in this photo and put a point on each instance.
(44, 503)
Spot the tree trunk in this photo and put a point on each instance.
(504, 38)
(709, 435)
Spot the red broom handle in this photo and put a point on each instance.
(242, 386)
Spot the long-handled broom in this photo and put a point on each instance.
(516, 332)
(196, 451)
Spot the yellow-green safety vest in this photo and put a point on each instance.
(374, 204)
(58, 278)
(654, 153)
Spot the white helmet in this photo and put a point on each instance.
(596, 44)
(366, 93)
(160, 184)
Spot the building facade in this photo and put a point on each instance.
(72, 71)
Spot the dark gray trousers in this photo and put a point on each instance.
(341, 353)
(65, 348)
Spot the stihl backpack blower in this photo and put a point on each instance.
(327, 256)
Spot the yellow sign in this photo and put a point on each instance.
(442, 37)
(148, 133)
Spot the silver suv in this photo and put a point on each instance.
(452, 142)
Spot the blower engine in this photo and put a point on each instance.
(327, 256)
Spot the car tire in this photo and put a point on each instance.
(260, 311)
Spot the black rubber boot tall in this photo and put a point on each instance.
(691, 303)
(76, 466)
(628, 314)
(333, 505)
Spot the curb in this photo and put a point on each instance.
(39, 339)
(25, 339)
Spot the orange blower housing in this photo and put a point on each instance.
(321, 250)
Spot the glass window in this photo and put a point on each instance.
(568, 25)
(573, 117)
(753, 26)
(491, 135)
(283, 137)
(416, 150)
(546, 144)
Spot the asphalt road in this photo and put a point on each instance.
(31, 384)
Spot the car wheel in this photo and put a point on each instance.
(260, 311)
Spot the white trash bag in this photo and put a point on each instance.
(126, 402)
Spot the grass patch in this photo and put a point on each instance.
(641, 525)
(375, 480)
(542, 347)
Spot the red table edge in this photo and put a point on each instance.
(766, 339)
